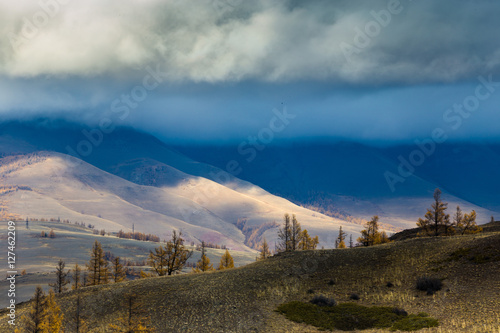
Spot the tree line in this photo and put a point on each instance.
(436, 222)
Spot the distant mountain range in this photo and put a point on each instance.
(115, 178)
(127, 178)
(352, 179)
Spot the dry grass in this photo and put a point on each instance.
(244, 299)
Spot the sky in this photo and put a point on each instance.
(224, 70)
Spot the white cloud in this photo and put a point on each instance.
(238, 40)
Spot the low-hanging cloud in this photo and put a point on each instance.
(234, 40)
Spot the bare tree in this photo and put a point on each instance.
(61, 278)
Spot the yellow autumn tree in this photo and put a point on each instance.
(371, 236)
(306, 242)
(134, 320)
(203, 265)
(97, 266)
(226, 261)
(117, 270)
(54, 317)
(469, 225)
(264, 250)
(33, 321)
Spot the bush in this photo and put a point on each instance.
(310, 291)
(354, 297)
(331, 282)
(415, 322)
(431, 285)
(351, 316)
(400, 312)
(321, 300)
(389, 285)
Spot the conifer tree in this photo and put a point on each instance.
(264, 250)
(458, 218)
(54, 317)
(351, 244)
(371, 236)
(97, 267)
(469, 225)
(306, 242)
(79, 322)
(171, 258)
(285, 235)
(435, 218)
(295, 233)
(135, 319)
(203, 265)
(76, 277)
(61, 278)
(492, 219)
(226, 261)
(36, 317)
(384, 238)
(158, 260)
(118, 272)
(340, 239)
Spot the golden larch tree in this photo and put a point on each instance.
(34, 320)
(117, 270)
(53, 322)
(264, 250)
(134, 320)
(97, 266)
(226, 261)
(436, 218)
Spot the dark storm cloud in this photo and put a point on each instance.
(379, 69)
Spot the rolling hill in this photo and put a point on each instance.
(134, 179)
(245, 299)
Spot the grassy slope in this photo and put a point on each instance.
(39, 256)
(243, 299)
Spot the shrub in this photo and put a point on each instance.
(389, 285)
(351, 316)
(354, 297)
(431, 285)
(415, 322)
(321, 300)
(400, 312)
(310, 291)
(331, 282)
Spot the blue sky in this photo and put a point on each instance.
(214, 70)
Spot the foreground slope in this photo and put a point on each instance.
(244, 299)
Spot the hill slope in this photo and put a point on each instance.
(244, 299)
(56, 185)
(348, 178)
